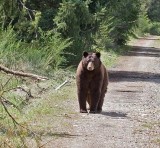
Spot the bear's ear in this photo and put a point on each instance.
(98, 54)
(85, 54)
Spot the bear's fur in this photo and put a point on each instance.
(92, 82)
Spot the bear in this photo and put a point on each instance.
(92, 81)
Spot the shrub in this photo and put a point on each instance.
(155, 28)
(74, 20)
(143, 25)
(39, 55)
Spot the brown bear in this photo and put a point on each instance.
(92, 82)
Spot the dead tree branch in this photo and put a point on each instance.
(18, 73)
(5, 108)
(29, 10)
(9, 102)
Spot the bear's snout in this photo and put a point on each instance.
(90, 66)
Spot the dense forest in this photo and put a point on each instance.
(53, 33)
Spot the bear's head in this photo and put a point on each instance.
(91, 60)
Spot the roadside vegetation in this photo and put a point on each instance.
(47, 38)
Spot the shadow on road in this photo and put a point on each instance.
(133, 76)
(53, 134)
(143, 51)
(115, 114)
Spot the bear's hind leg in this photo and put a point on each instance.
(94, 102)
(89, 100)
(100, 103)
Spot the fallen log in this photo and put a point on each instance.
(23, 74)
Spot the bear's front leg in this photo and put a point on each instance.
(95, 92)
(95, 96)
(82, 98)
(82, 91)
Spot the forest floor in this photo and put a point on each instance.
(131, 110)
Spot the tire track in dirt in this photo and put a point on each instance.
(131, 105)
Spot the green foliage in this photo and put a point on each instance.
(53, 46)
(101, 37)
(46, 21)
(155, 28)
(125, 15)
(143, 25)
(44, 54)
(154, 11)
(75, 21)
(9, 10)
(9, 48)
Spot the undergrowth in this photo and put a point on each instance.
(42, 55)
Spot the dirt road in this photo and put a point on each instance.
(131, 111)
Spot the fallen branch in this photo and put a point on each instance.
(5, 108)
(18, 73)
(9, 102)
(25, 6)
(61, 85)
